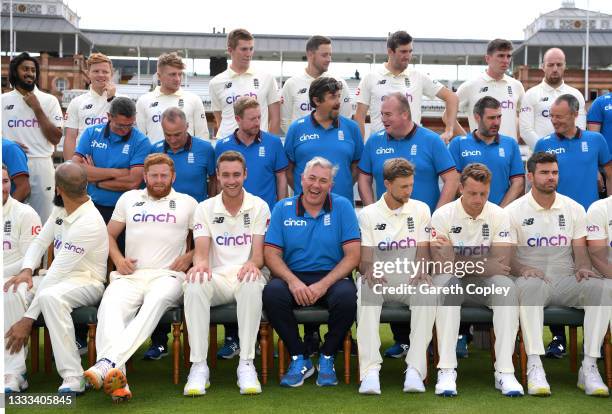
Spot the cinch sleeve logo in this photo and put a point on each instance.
(74, 248)
(144, 217)
(197, 227)
(230, 240)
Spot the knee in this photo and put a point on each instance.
(252, 288)
(343, 295)
(48, 298)
(276, 292)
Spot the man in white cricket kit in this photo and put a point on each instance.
(553, 268)
(240, 79)
(229, 234)
(75, 278)
(150, 106)
(148, 280)
(294, 96)
(33, 119)
(21, 225)
(534, 116)
(474, 234)
(395, 226)
(599, 236)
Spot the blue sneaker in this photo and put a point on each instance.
(327, 372)
(298, 371)
(230, 349)
(462, 347)
(556, 348)
(156, 352)
(81, 345)
(397, 350)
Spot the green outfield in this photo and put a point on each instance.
(154, 392)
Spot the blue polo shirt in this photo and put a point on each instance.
(15, 160)
(312, 244)
(502, 156)
(193, 163)
(601, 113)
(341, 144)
(578, 159)
(264, 158)
(422, 147)
(110, 150)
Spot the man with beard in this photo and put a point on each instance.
(599, 236)
(33, 119)
(324, 133)
(553, 268)
(148, 280)
(74, 279)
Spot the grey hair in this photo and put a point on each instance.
(172, 113)
(571, 100)
(403, 101)
(323, 163)
(122, 106)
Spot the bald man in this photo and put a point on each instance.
(534, 118)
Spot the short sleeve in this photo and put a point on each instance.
(274, 235)
(442, 158)
(261, 221)
(363, 91)
(55, 112)
(211, 161)
(72, 115)
(15, 159)
(357, 153)
(597, 222)
(200, 223)
(83, 147)
(367, 238)
(464, 98)
(272, 96)
(120, 211)
(516, 164)
(365, 163)
(438, 226)
(350, 226)
(280, 158)
(454, 148)
(603, 155)
(430, 87)
(580, 225)
(143, 148)
(290, 142)
(595, 114)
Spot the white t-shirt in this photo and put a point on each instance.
(508, 91)
(151, 105)
(231, 236)
(86, 110)
(295, 102)
(534, 116)
(228, 86)
(376, 85)
(599, 222)
(21, 125)
(21, 225)
(544, 236)
(155, 229)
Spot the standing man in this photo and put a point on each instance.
(396, 76)
(325, 133)
(74, 279)
(91, 108)
(495, 83)
(16, 163)
(150, 106)
(599, 118)
(33, 119)
(534, 116)
(320, 272)
(295, 102)
(230, 229)
(241, 80)
(149, 277)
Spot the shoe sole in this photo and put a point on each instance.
(249, 391)
(193, 392)
(369, 392)
(396, 356)
(307, 375)
(114, 380)
(93, 379)
(150, 358)
(229, 356)
(597, 393)
(554, 356)
(413, 390)
(446, 393)
(539, 392)
(511, 394)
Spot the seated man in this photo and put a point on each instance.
(21, 225)
(472, 235)
(229, 235)
(312, 247)
(74, 279)
(148, 280)
(553, 268)
(599, 236)
(394, 227)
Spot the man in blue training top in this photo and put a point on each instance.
(16, 163)
(599, 117)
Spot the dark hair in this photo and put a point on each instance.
(4, 167)
(320, 86)
(13, 76)
(571, 100)
(232, 156)
(540, 158)
(476, 171)
(315, 41)
(122, 106)
(399, 38)
(397, 167)
(499, 44)
(484, 103)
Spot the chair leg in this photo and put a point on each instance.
(186, 347)
(347, 358)
(34, 350)
(281, 358)
(91, 344)
(212, 346)
(608, 358)
(573, 334)
(176, 346)
(48, 351)
(523, 359)
(264, 344)
(434, 344)
(492, 333)
(129, 365)
(270, 348)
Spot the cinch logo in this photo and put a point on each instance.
(100, 145)
(296, 223)
(155, 218)
(6, 245)
(304, 106)
(307, 137)
(229, 240)
(467, 153)
(504, 234)
(556, 150)
(559, 240)
(593, 228)
(96, 120)
(546, 113)
(156, 118)
(23, 123)
(74, 248)
(406, 243)
(472, 250)
(381, 150)
(608, 107)
(88, 106)
(231, 99)
(197, 227)
(507, 104)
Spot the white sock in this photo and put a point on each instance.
(244, 362)
(534, 360)
(589, 360)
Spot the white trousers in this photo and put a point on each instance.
(505, 319)
(42, 186)
(592, 295)
(222, 289)
(131, 309)
(422, 318)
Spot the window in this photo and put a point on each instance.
(61, 84)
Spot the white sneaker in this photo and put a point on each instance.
(370, 383)
(72, 384)
(447, 382)
(536, 381)
(197, 381)
(14, 383)
(247, 378)
(96, 374)
(508, 385)
(413, 381)
(590, 381)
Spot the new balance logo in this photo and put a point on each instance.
(301, 91)
(153, 104)
(138, 204)
(218, 220)
(380, 226)
(483, 90)
(382, 82)
(88, 106)
(528, 221)
(59, 221)
(228, 85)
(9, 107)
(455, 229)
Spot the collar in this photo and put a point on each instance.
(488, 78)
(495, 140)
(310, 78)
(548, 88)
(157, 92)
(386, 72)
(464, 215)
(107, 133)
(238, 142)
(577, 136)
(6, 208)
(83, 208)
(301, 210)
(537, 207)
(233, 74)
(186, 147)
(408, 136)
(384, 207)
(144, 193)
(335, 122)
(219, 207)
(93, 93)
